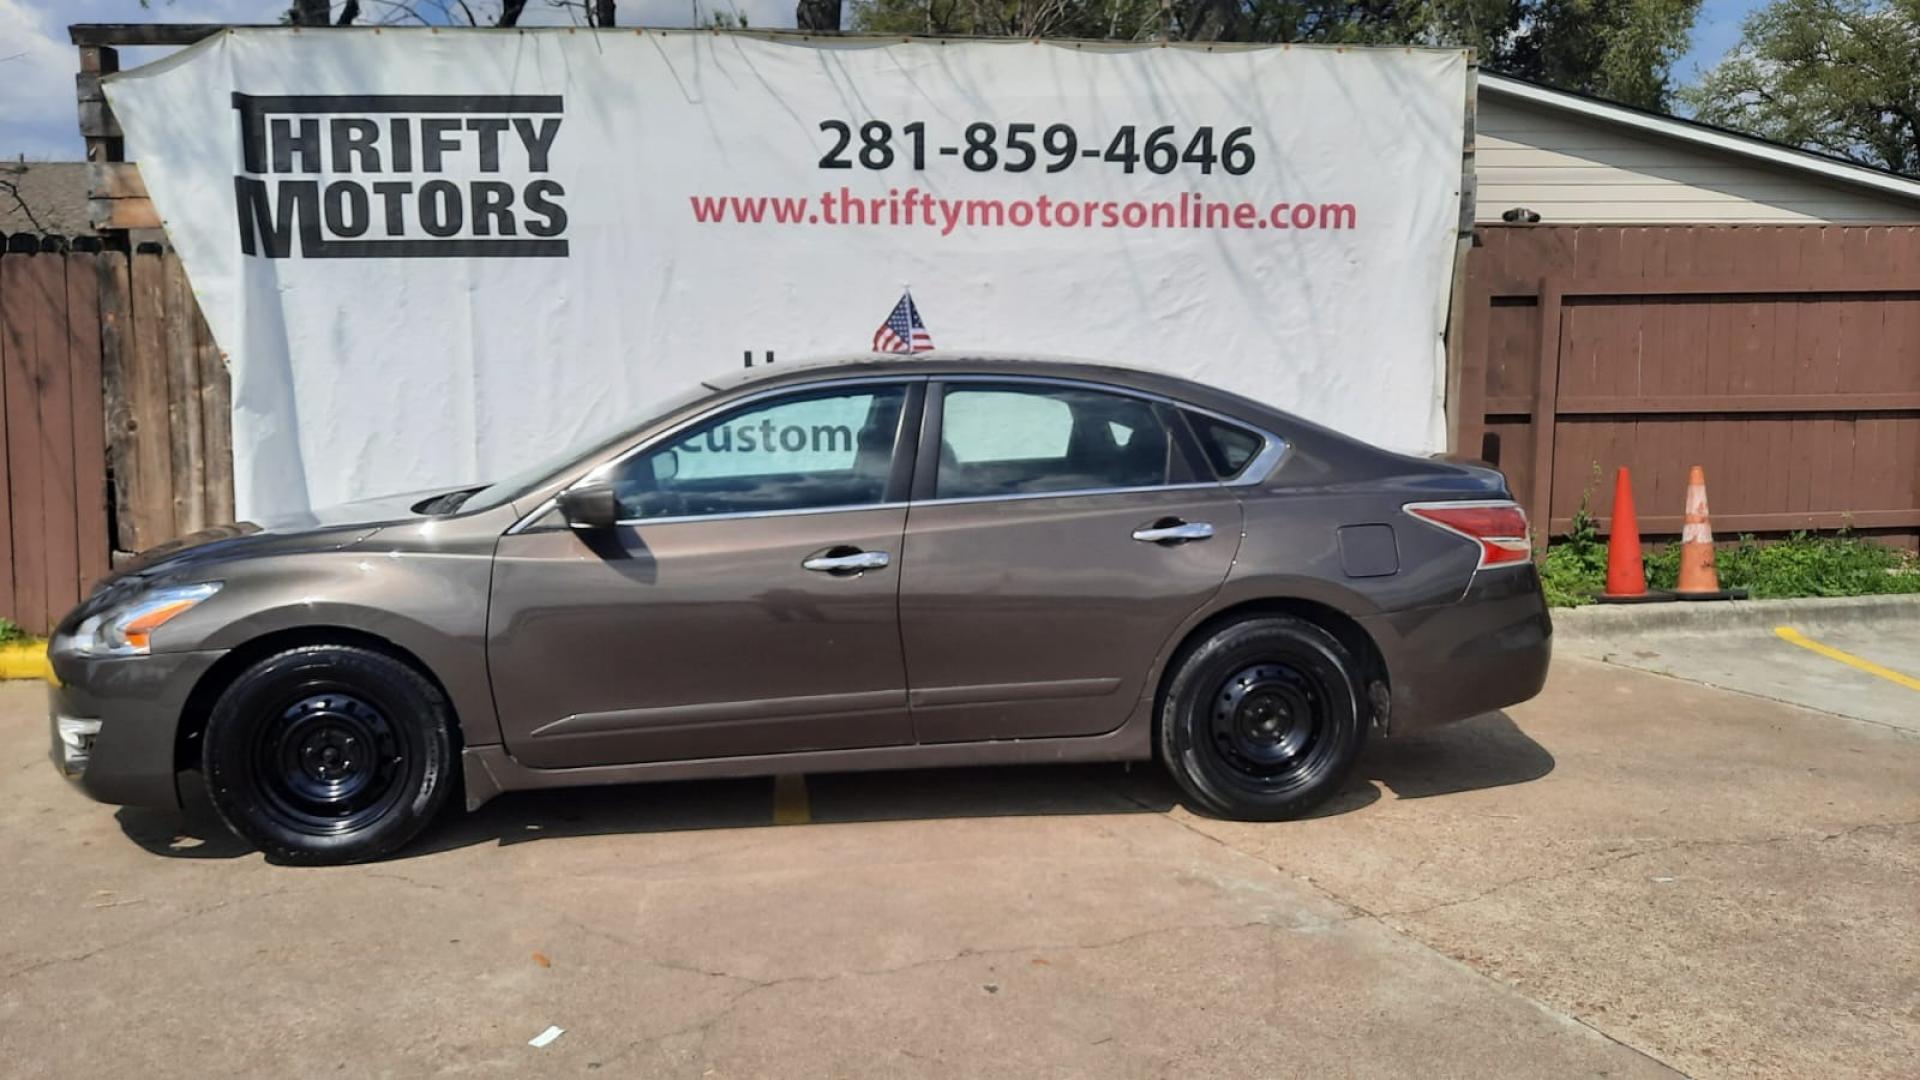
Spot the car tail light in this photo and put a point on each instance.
(1500, 528)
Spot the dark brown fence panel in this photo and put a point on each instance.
(1785, 360)
(53, 512)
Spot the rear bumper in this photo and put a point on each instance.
(1485, 651)
(137, 701)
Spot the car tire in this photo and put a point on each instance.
(1263, 718)
(329, 754)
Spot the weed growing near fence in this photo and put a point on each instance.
(11, 634)
(1575, 568)
(1804, 564)
(1801, 565)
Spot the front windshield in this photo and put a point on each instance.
(506, 490)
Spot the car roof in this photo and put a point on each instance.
(986, 363)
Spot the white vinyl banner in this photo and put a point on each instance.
(433, 256)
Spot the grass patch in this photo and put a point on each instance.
(11, 634)
(1804, 564)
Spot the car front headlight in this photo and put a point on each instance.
(126, 629)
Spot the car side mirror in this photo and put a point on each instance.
(589, 504)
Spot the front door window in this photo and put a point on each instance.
(815, 451)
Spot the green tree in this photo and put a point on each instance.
(1618, 49)
(1838, 76)
(501, 13)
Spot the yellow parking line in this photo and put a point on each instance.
(1788, 633)
(790, 800)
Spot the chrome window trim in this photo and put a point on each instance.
(1022, 496)
(1256, 471)
(745, 515)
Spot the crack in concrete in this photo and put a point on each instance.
(405, 879)
(1388, 919)
(1362, 912)
(146, 935)
(1676, 845)
(703, 1026)
(1609, 661)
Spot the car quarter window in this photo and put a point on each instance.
(1017, 439)
(802, 451)
(1229, 447)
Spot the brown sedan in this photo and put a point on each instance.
(872, 564)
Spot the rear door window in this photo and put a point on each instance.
(1021, 440)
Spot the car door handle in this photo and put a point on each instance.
(1174, 531)
(842, 560)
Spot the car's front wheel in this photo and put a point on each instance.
(329, 754)
(1263, 719)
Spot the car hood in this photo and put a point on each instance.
(328, 528)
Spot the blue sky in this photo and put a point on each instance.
(37, 63)
(1714, 32)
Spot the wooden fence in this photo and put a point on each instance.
(1785, 360)
(53, 476)
(113, 420)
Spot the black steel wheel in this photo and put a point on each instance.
(1263, 718)
(330, 762)
(329, 754)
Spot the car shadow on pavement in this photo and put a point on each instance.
(1484, 752)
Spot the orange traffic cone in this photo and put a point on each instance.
(1626, 573)
(1698, 578)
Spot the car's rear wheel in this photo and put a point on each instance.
(1263, 719)
(329, 754)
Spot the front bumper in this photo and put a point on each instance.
(1485, 651)
(137, 702)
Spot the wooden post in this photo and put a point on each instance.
(116, 361)
(97, 125)
(149, 423)
(1458, 294)
(187, 446)
(1546, 409)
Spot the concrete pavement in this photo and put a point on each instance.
(1856, 656)
(1632, 875)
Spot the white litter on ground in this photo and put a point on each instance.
(553, 1032)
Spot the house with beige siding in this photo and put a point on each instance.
(1577, 160)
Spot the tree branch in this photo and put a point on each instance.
(12, 190)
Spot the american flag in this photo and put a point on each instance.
(903, 332)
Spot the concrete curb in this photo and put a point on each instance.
(28, 661)
(1607, 621)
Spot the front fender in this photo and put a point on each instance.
(432, 605)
